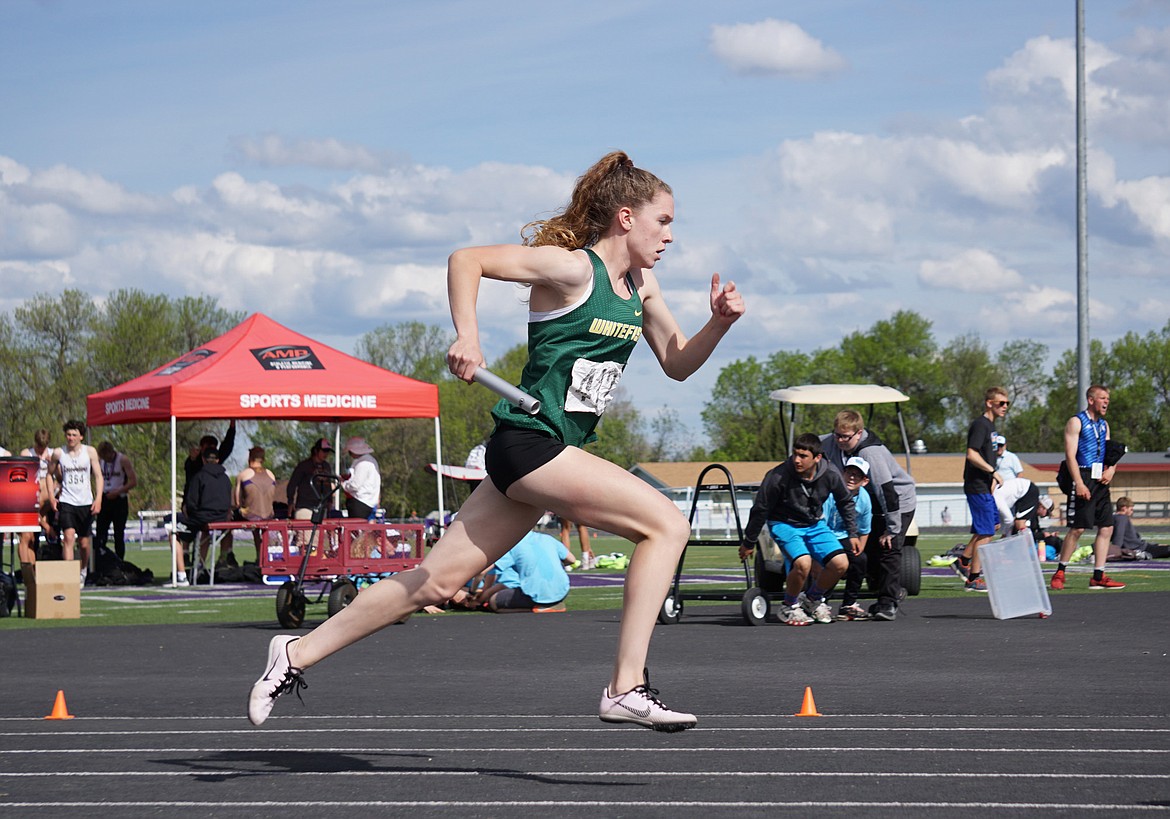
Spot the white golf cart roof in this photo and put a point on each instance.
(838, 394)
(841, 395)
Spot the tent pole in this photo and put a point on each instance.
(439, 472)
(174, 489)
(337, 465)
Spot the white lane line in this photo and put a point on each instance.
(600, 749)
(575, 730)
(755, 717)
(479, 805)
(599, 774)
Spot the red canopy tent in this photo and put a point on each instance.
(261, 369)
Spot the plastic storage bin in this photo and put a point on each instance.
(1015, 584)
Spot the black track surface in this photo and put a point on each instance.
(946, 711)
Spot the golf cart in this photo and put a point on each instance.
(765, 580)
(848, 395)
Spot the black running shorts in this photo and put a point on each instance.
(513, 453)
(1093, 513)
(78, 518)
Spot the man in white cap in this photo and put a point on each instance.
(363, 482)
(1007, 464)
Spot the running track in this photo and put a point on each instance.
(945, 712)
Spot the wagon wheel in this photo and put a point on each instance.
(671, 610)
(342, 594)
(290, 605)
(755, 607)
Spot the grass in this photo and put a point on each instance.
(155, 605)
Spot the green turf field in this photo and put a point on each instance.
(112, 606)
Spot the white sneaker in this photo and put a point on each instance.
(641, 706)
(794, 615)
(279, 677)
(818, 610)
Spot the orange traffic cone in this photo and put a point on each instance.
(59, 709)
(808, 708)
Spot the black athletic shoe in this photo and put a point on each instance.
(883, 611)
(962, 567)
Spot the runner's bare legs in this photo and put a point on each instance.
(488, 525)
(603, 496)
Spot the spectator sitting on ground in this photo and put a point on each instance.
(856, 479)
(530, 576)
(208, 500)
(789, 502)
(1126, 543)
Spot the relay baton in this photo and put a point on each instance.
(507, 391)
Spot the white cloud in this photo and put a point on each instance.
(1038, 311)
(773, 47)
(1125, 85)
(12, 172)
(84, 191)
(972, 271)
(1149, 201)
(266, 197)
(35, 230)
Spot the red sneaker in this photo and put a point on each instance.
(1106, 582)
(1058, 580)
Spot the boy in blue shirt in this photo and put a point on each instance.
(856, 478)
(530, 576)
(790, 501)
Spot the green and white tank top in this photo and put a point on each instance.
(576, 356)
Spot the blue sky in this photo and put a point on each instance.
(838, 159)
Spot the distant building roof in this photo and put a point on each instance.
(926, 470)
(1132, 462)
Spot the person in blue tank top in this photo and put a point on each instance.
(593, 295)
(1086, 439)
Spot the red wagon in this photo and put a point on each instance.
(340, 553)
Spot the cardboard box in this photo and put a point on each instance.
(1015, 583)
(53, 590)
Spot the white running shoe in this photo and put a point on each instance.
(279, 677)
(794, 615)
(818, 610)
(641, 706)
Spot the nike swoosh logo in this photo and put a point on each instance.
(643, 713)
(638, 313)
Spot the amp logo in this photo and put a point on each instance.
(287, 357)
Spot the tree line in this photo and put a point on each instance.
(945, 385)
(57, 349)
